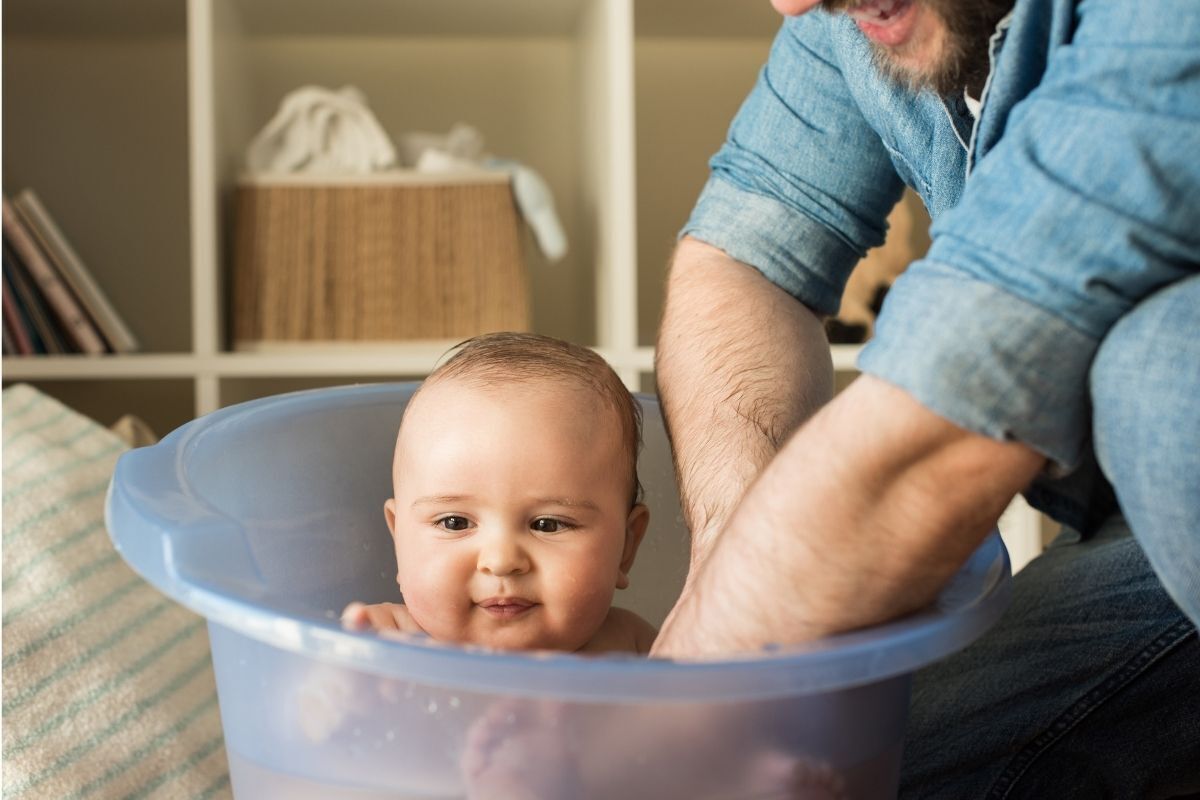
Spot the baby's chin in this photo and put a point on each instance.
(517, 642)
(511, 639)
(531, 632)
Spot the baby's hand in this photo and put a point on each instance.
(380, 617)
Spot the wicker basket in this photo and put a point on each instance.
(395, 256)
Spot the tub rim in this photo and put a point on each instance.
(148, 496)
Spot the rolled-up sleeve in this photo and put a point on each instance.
(802, 186)
(1089, 203)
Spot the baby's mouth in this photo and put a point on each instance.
(507, 607)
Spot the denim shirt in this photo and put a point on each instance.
(1073, 196)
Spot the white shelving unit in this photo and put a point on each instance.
(130, 118)
(157, 100)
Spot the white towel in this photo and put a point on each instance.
(108, 685)
(462, 149)
(319, 130)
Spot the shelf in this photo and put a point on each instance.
(410, 360)
(81, 367)
(380, 360)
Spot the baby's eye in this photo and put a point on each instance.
(548, 525)
(453, 523)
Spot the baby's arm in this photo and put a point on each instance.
(622, 632)
(380, 617)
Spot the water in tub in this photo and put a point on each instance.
(370, 738)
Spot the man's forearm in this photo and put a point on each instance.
(740, 365)
(864, 515)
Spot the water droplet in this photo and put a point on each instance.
(391, 736)
(455, 702)
(432, 707)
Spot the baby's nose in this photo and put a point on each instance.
(501, 554)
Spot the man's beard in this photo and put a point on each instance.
(963, 62)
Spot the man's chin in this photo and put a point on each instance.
(917, 74)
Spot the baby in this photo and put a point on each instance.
(515, 517)
(515, 511)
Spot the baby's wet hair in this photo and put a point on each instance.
(500, 358)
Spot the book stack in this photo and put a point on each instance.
(52, 304)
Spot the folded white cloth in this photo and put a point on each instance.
(537, 207)
(319, 130)
(462, 149)
(462, 142)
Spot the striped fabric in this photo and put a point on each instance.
(108, 686)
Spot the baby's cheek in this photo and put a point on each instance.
(434, 602)
(585, 602)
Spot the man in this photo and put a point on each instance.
(1046, 344)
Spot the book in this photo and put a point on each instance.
(76, 274)
(82, 333)
(16, 333)
(46, 337)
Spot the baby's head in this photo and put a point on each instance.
(515, 509)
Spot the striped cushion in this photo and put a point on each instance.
(108, 686)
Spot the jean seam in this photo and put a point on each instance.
(1069, 719)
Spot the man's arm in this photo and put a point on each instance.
(740, 365)
(863, 516)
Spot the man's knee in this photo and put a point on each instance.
(1145, 382)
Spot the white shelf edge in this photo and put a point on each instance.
(845, 357)
(203, 176)
(81, 367)
(406, 359)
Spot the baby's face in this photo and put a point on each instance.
(511, 513)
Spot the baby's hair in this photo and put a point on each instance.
(498, 358)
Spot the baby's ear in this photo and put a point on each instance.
(635, 529)
(389, 513)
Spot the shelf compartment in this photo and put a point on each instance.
(696, 65)
(523, 73)
(96, 125)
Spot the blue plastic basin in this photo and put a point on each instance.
(266, 518)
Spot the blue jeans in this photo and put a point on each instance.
(1145, 389)
(1088, 687)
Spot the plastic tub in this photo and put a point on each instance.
(266, 518)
